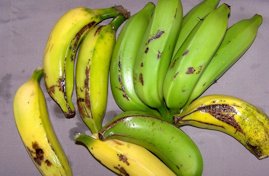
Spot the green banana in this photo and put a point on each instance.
(238, 38)
(156, 50)
(192, 18)
(36, 131)
(233, 116)
(92, 71)
(123, 60)
(124, 158)
(61, 48)
(167, 142)
(194, 55)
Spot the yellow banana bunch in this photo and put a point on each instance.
(124, 158)
(233, 116)
(35, 129)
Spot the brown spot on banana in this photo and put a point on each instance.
(190, 70)
(121, 170)
(123, 158)
(37, 153)
(255, 149)
(141, 79)
(122, 87)
(159, 55)
(147, 50)
(185, 53)
(156, 36)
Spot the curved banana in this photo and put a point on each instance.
(123, 60)
(124, 158)
(167, 142)
(61, 48)
(36, 131)
(194, 55)
(92, 70)
(192, 18)
(233, 116)
(156, 50)
(238, 38)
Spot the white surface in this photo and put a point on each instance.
(24, 29)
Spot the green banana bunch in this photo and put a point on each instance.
(238, 38)
(233, 116)
(61, 49)
(34, 126)
(124, 158)
(123, 60)
(92, 72)
(156, 50)
(192, 18)
(193, 56)
(163, 139)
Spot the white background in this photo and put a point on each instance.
(24, 29)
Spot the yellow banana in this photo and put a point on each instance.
(61, 49)
(92, 72)
(36, 131)
(233, 116)
(124, 158)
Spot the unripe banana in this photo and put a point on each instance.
(92, 72)
(237, 40)
(156, 50)
(233, 116)
(194, 55)
(36, 131)
(61, 48)
(123, 60)
(170, 144)
(124, 158)
(192, 18)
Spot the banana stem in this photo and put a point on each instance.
(37, 74)
(83, 139)
(111, 12)
(165, 113)
(117, 21)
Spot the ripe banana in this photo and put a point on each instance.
(123, 60)
(192, 18)
(156, 50)
(92, 72)
(163, 139)
(194, 55)
(61, 48)
(233, 116)
(238, 38)
(124, 158)
(36, 130)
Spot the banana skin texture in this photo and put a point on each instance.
(124, 158)
(35, 129)
(123, 60)
(61, 48)
(237, 40)
(163, 139)
(92, 71)
(233, 116)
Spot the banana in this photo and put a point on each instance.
(156, 50)
(123, 60)
(237, 40)
(124, 158)
(36, 131)
(92, 71)
(233, 116)
(167, 142)
(192, 18)
(194, 55)
(61, 48)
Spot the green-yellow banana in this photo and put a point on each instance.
(61, 49)
(124, 158)
(36, 131)
(233, 116)
(92, 71)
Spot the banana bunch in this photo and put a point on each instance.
(158, 66)
(35, 128)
